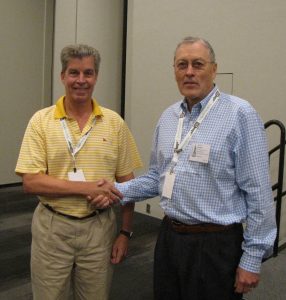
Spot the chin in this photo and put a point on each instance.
(190, 93)
(191, 96)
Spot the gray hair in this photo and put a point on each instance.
(192, 40)
(79, 51)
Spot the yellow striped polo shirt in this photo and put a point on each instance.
(109, 151)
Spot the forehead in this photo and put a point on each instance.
(192, 51)
(86, 62)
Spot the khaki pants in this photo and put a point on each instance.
(73, 253)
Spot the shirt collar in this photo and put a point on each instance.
(61, 113)
(201, 105)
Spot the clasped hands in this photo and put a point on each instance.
(103, 194)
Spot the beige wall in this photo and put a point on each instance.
(99, 24)
(25, 60)
(27, 39)
(248, 37)
(249, 41)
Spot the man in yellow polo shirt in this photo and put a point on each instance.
(66, 149)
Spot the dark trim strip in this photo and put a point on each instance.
(4, 186)
(123, 67)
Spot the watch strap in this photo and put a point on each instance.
(126, 233)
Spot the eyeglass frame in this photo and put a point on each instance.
(197, 64)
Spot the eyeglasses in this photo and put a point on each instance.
(197, 64)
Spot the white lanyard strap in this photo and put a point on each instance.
(179, 145)
(74, 150)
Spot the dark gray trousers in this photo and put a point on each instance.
(196, 266)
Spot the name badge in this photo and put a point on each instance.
(76, 176)
(168, 185)
(200, 153)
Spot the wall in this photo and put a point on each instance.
(26, 57)
(249, 41)
(27, 37)
(248, 37)
(99, 24)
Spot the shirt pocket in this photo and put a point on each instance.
(221, 164)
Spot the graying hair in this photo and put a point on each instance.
(192, 40)
(79, 51)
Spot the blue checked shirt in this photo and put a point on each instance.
(233, 187)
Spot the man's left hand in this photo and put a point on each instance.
(119, 249)
(245, 281)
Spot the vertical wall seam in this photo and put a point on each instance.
(76, 20)
(44, 50)
(123, 67)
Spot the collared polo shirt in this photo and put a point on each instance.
(109, 151)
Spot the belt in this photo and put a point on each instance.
(198, 228)
(94, 213)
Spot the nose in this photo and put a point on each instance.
(190, 70)
(81, 78)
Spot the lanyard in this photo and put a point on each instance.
(179, 144)
(74, 150)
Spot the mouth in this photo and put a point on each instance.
(80, 87)
(190, 83)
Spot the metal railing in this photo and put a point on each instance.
(279, 185)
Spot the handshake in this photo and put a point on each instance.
(102, 194)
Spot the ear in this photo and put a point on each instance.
(62, 76)
(214, 70)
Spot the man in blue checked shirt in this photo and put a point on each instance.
(209, 165)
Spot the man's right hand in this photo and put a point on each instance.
(100, 193)
(104, 195)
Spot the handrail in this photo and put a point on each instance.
(279, 185)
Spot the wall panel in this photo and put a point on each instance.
(99, 24)
(248, 38)
(26, 56)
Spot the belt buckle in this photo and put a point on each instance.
(177, 223)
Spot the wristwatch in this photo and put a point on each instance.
(126, 233)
